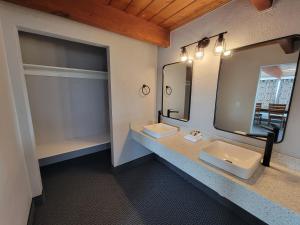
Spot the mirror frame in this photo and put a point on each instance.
(162, 92)
(292, 93)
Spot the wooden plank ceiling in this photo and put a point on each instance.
(146, 20)
(169, 14)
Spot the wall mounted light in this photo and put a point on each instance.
(190, 60)
(220, 48)
(183, 54)
(220, 45)
(199, 52)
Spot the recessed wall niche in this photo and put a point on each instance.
(68, 93)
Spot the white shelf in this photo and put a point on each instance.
(70, 145)
(39, 70)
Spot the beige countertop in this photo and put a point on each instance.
(275, 190)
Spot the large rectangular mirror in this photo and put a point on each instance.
(176, 90)
(255, 87)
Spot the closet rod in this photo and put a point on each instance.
(40, 70)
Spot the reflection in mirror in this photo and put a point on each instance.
(255, 87)
(176, 96)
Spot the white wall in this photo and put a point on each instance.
(245, 25)
(15, 194)
(64, 108)
(132, 63)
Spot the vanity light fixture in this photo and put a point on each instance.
(190, 60)
(220, 48)
(220, 45)
(183, 54)
(199, 52)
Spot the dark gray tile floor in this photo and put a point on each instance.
(84, 191)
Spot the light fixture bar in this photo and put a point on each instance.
(201, 39)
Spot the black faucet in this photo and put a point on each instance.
(270, 138)
(158, 116)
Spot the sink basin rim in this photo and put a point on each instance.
(238, 168)
(159, 130)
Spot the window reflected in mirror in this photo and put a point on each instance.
(255, 87)
(176, 96)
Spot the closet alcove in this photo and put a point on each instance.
(67, 86)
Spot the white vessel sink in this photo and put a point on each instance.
(159, 130)
(231, 158)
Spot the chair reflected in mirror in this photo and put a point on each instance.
(273, 96)
(258, 114)
(277, 114)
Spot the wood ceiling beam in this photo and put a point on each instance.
(98, 14)
(261, 5)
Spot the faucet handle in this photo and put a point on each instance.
(274, 129)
